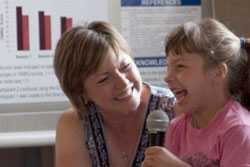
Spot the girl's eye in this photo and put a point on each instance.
(179, 66)
(126, 67)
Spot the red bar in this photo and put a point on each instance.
(41, 29)
(19, 27)
(66, 24)
(25, 34)
(69, 22)
(63, 24)
(47, 32)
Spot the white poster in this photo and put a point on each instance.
(145, 23)
(29, 31)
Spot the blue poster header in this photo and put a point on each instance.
(142, 3)
(150, 61)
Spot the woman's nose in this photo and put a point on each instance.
(121, 81)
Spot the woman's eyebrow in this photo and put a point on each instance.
(102, 73)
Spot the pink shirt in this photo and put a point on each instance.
(224, 143)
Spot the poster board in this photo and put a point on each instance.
(145, 23)
(29, 31)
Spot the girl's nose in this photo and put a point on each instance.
(168, 76)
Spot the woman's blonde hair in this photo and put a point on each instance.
(79, 53)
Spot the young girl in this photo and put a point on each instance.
(208, 71)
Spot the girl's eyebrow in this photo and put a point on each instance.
(178, 59)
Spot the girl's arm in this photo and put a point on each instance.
(160, 157)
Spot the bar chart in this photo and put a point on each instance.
(22, 22)
(36, 28)
(45, 29)
(29, 32)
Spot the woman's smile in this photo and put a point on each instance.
(125, 94)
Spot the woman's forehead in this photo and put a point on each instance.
(113, 59)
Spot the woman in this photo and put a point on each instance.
(106, 125)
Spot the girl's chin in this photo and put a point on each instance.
(181, 109)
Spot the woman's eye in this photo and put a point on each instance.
(102, 80)
(126, 67)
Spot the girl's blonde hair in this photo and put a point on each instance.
(216, 44)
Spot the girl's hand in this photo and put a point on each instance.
(160, 157)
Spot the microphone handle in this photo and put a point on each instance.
(156, 139)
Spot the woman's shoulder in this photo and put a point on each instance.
(70, 148)
(69, 118)
(69, 125)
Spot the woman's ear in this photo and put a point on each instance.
(85, 99)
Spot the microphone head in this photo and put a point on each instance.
(157, 121)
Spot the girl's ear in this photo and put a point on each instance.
(219, 72)
(222, 71)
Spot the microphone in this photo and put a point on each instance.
(157, 123)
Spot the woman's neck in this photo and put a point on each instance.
(120, 119)
(123, 133)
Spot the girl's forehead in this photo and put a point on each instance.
(178, 57)
(184, 57)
